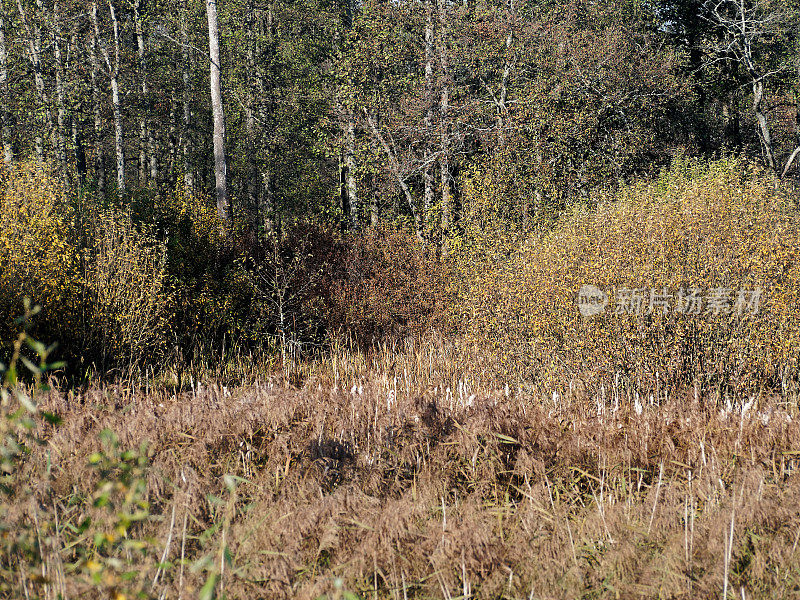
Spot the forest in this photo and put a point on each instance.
(433, 299)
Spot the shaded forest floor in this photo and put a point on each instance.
(391, 477)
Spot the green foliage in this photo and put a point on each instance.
(98, 550)
(108, 555)
(19, 412)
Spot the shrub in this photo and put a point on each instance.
(388, 285)
(292, 273)
(716, 226)
(98, 277)
(124, 278)
(37, 255)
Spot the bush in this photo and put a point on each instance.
(210, 300)
(389, 285)
(98, 277)
(38, 258)
(124, 278)
(716, 226)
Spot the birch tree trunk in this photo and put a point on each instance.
(501, 99)
(119, 139)
(61, 111)
(5, 118)
(113, 73)
(427, 170)
(268, 215)
(34, 52)
(220, 164)
(148, 163)
(172, 138)
(747, 24)
(444, 160)
(350, 170)
(140, 52)
(74, 57)
(763, 126)
(186, 145)
(99, 149)
(252, 182)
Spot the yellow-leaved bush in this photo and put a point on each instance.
(124, 273)
(713, 226)
(98, 277)
(37, 257)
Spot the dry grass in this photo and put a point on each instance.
(398, 474)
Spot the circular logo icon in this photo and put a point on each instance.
(591, 300)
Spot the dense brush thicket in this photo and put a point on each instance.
(719, 226)
(128, 285)
(161, 278)
(463, 417)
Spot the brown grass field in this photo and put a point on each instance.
(389, 476)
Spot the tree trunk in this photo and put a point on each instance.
(172, 146)
(220, 164)
(444, 160)
(266, 207)
(113, 74)
(61, 144)
(99, 149)
(186, 145)
(140, 51)
(501, 99)
(427, 168)
(252, 181)
(350, 170)
(119, 139)
(118, 135)
(34, 53)
(343, 202)
(269, 216)
(394, 165)
(5, 115)
(152, 149)
(763, 127)
(374, 213)
(148, 164)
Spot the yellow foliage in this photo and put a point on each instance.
(97, 277)
(37, 258)
(710, 227)
(124, 277)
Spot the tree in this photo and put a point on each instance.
(99, 150)
(758, 36)
(33, 37)
(220, 163)
(147, 150)
(113, 69)
(5, 119)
